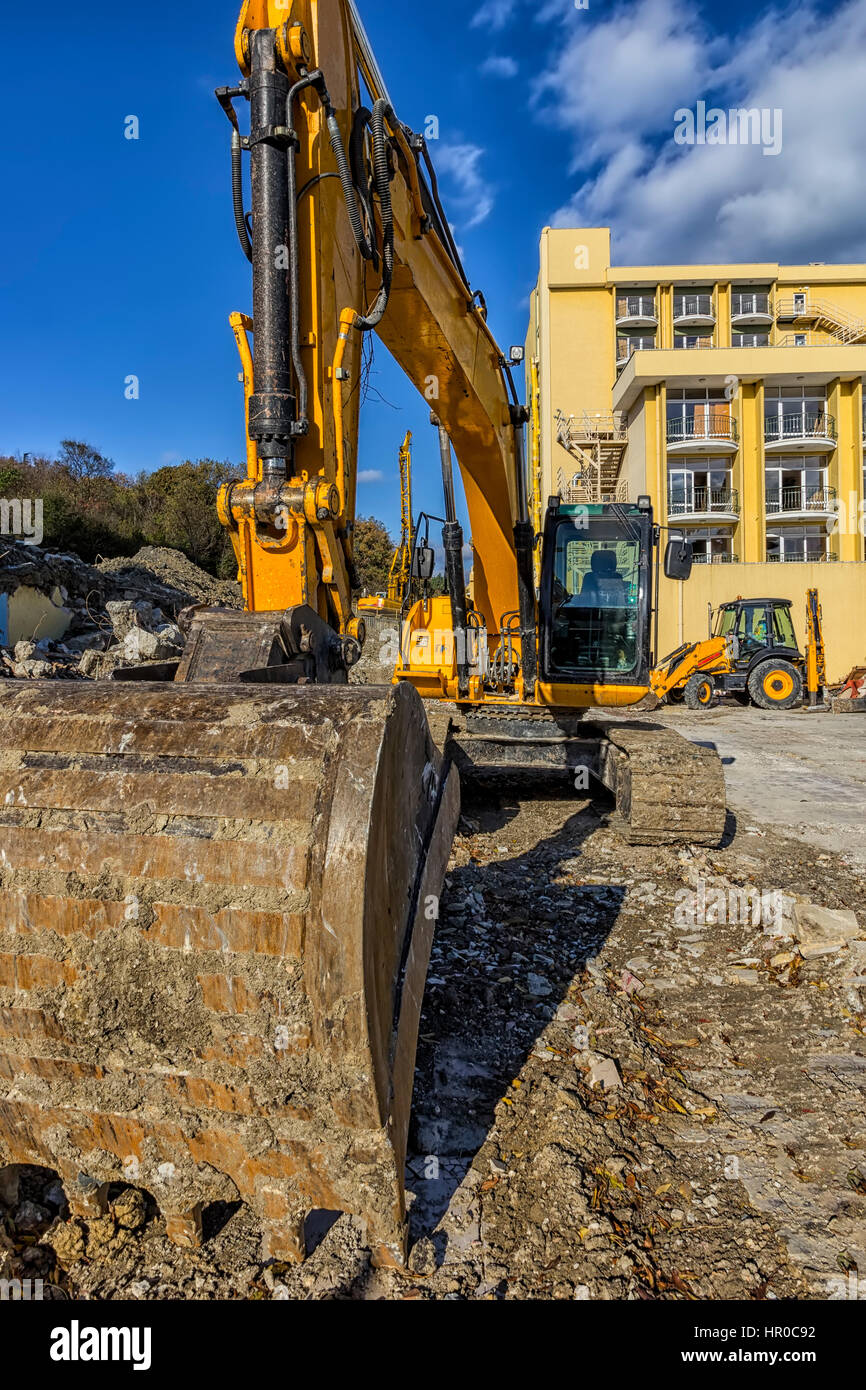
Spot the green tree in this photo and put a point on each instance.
(83, 461)
(374, 551)
(181, 502)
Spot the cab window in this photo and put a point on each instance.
(596, 584)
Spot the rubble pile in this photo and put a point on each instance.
(120, 612)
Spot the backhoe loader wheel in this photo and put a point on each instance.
(776, 684)
(675, 697)
(700, 692)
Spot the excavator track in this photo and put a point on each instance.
(667, 789)
(216, 911)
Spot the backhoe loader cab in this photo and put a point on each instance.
(758, 624)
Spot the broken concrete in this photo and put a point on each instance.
(83, 621)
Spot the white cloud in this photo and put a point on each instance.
(499, 66)
(721, 202)
(493, 14)
(370, 475)
(469, 196)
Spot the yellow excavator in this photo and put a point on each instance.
(399, 573)
(219, 877)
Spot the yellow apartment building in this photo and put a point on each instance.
(733, 396)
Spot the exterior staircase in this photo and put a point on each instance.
(596, 442)
(822, 314)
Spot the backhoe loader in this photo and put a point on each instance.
(752, 653)
(219, 877)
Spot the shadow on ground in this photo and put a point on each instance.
(513, 933)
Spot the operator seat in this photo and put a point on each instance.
(603, 586)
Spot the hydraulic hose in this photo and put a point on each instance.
(382, 183)
(238, 196)
(364, 243)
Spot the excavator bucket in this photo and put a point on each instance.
(216, 912)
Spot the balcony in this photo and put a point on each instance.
(801, 503)
(636, 311)
(704, 504)
(711, 429)
(724, 557)
(804, 432)
(626, 346)
(694, 311)
(751, 309)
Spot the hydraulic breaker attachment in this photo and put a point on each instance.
(216, 911)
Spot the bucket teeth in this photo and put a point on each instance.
(215, 923)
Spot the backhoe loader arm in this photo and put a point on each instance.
(348, 236)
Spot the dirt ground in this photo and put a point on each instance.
(634, 1080)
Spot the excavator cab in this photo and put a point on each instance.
(595, 599)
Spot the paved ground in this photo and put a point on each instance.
(804, 773)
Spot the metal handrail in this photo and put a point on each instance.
(719, 558)
(636, 306)
(692, 305)
(799, 426)
(806, 559)
(626, 346)
(706, 499)
(743, 304)
(801, 499)
(699, 341)
(710, 425)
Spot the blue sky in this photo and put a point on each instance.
(119, 257)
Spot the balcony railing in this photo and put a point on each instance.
(750, 305)
(721, 557)
(801, 499)
(694, 306)
(802, 425)
(626, 346)
(636, 306)
(705, 500)
(692, 341)
(703, 425)
(809, 556)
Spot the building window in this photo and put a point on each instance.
(796, 412)
(702, 413)
(700, 485)
(750, 339)
(798, 544)
(750, 304)
(692, 340)
(797, 484)
(626, 344)
(710, 545)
